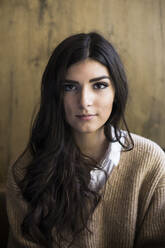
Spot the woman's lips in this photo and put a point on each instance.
(85, 117)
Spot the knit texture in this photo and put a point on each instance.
(131, 213)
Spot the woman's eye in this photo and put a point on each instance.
(70, 87)
(100, 85)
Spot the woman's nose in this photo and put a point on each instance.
(86, 97)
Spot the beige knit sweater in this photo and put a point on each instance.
(132, 212)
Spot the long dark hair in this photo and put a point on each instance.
(56, 182)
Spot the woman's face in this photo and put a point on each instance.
(88, 96)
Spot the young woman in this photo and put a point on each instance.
(82, 181)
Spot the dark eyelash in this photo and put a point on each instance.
(104, 83)
(101, 83)
(68, 85)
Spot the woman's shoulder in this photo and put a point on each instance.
(23, 159)
(145, 163)
(17, 170)
(145, 145)
(147, 153)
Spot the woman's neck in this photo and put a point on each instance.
(93, 145)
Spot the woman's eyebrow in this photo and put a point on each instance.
(99, 78)
(91, 80)
(70, 81)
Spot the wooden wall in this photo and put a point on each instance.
(29, 31)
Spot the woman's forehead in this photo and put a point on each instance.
(86, 69)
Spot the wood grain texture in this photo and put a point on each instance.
(29, 31)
